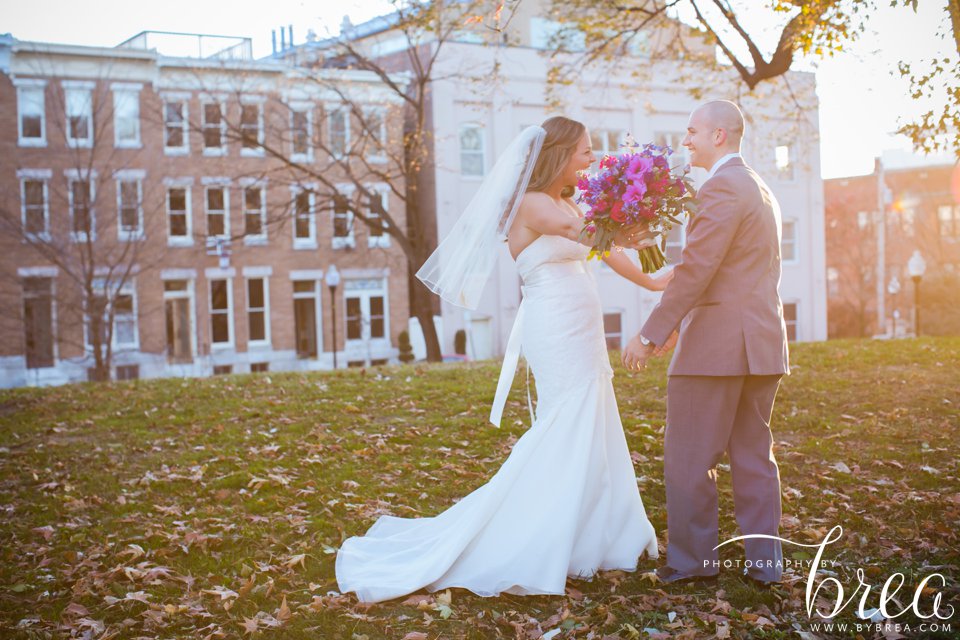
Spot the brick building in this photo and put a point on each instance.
(182, 200)
(920, 212)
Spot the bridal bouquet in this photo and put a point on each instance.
(635, 187)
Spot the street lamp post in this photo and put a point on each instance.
(916, 267)
(893, 289)
(333, 281)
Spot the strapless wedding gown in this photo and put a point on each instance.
(564, 503)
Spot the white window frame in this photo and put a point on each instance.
(833, 282)
(258, 150)
(204, 125)
(482, 152)
(90, 178)
(35, 175)
(681, 243)
(348, 241)
(129, 175)
(794, 241)
(129, 288)
(188, 276)
(351, 290)
(787, 172)
(310, 242)
(379, 139)
(49, 273)
(184, 100)
(606, 149)
(77, 87)
(315, 277)
(25, 87)
(952, 212)
(216, 183)
(382, 241)
(332, 111)
(226, 276)
(187, 185)
(305, 109)
(258, 274)
(252, 183)
(129, 91)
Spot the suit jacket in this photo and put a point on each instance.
(724, 292)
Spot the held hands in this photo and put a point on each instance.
(636, 354)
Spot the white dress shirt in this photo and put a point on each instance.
(721, 162)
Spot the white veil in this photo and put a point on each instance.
(460, 267)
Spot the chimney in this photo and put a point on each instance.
(273, 37)
(283, 39)
(290, 33)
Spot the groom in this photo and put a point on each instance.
(731, 354)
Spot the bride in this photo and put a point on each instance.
(565, 502)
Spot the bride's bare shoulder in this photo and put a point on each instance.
(535, 200)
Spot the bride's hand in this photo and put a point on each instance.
(635, 236)
(660, 282)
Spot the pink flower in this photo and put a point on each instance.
(616, 212)
(635, 192)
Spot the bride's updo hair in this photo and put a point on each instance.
(563, 136)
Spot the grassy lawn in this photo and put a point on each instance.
(213, 508)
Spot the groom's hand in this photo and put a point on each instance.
(668, 345)
(636, 354)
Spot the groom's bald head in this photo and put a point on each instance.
(723, 114)
(715, 129)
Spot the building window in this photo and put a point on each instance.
(82, 217)
(783, 157)
(342, 223)
(251, 129)
(613, 329)
(258, 314)
(366, 311)
(788, 241)
(214, 129)
(221, 318)
(123, 306)
(254, 215)
(79, 102)
(128, 372)
(126, 116)
(130, 208)
(376, 222)
(178, 215)
(908, 221)
(863, 219)
(222, 369)
(259, 367)
(833, 282)
(339, 125)
(676, 240)
(472, 161)
(674, 140)
(376, 134)
(305, 317)
(31, 111)
(175, 132)
(178, 310)
(305, 224)
(301, 134)
(949, 219)
(790, 319)
(35, 206)
(607, 141)
(38, 316)
(218, 218)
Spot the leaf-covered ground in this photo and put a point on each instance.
(213, 508)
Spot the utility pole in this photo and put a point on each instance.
(883, 198)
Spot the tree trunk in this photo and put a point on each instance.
(423, 311)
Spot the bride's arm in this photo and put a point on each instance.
(539, 213)
(624, 266)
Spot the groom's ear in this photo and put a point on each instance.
(720, 136)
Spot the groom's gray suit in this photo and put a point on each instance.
(725, 372)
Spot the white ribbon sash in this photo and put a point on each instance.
(510, 360)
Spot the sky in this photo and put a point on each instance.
(862, 98)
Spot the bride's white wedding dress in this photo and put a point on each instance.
(564, 503)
